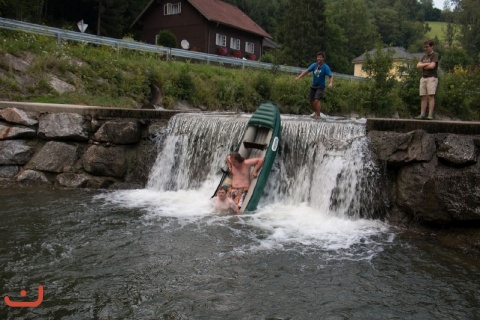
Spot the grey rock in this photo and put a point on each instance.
(83, 180)
(32, 176)
(63, 126)
(8, 171)
(16, 132)
(458, 150)
(61, 86)
(118, 132)
(105, 161)
(15, 152)
(54, 157)
(401, 148)
(18, 116)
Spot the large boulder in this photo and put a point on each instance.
(118, 132)
(83, 180)
(401, 148)
(15, 152)
(8, 171)
(18, 116)
(105, 161)
(64, 126)
(54, 157)
(436, 177)
(16, 132)
(458, 150)
(32, 177)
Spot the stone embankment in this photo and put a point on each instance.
(72, 146)
(432, 169)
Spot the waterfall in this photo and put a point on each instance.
(324, 164)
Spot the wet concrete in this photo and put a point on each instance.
(379, 124)
(430, 126)
(94, 111)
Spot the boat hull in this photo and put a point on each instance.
(260, 139)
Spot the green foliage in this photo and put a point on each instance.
(408, 89)
(263, 85)
(102, 76)
(458, 93)
(379, 97)
(185, 89)
(467, 13)
(351, 32)
(302, 31)
(455, 57)
(167, 39)
(343, 99)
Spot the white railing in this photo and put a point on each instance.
(62, 34)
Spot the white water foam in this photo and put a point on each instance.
(315, 197)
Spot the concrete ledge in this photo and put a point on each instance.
(430, 126)
(99, 112)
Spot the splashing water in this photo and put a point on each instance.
(321, 191)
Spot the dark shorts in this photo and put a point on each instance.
(316, 93)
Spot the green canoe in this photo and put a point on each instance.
(260, 140)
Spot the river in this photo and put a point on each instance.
(317, 247)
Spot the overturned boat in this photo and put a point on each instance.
(260, 140)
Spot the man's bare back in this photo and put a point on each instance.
(241, 170)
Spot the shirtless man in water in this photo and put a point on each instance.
(240, 169)
(222, 204)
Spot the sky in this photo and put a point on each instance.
(438, 4)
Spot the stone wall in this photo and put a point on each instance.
(75, 150)
(431, 177)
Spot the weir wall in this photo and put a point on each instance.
(425, 163)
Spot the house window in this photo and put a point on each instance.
(235, 44)
(249, 47)
(221, 40)
(172, 8)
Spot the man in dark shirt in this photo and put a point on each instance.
(429, 81)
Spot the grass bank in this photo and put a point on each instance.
(132, 79)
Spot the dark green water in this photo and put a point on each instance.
(99, 258)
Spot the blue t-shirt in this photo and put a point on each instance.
(319, 74)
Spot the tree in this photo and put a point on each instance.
(379, 90)
(467, 13)
(357, 32)
(302, 31)
(31, 10)
(455, 57)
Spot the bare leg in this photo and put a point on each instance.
(316, 107)
(423, 105)
(431, 105)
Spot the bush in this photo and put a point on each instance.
(166, 39)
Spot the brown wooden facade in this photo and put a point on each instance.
(193, 26)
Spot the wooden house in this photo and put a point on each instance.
(210, 26)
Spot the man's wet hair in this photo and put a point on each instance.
(237, 156)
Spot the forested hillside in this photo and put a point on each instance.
(344, 29)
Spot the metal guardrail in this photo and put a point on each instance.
(62, 34)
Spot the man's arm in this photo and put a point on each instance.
(330, 84)
(233, 206)
(257, 162)
(301, 75)
(229, 163)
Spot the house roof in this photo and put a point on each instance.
(398, 54)
(221, 12)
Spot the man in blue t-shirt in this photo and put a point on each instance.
(320, 70)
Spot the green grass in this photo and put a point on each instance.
(128, 80)
(437, 30)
